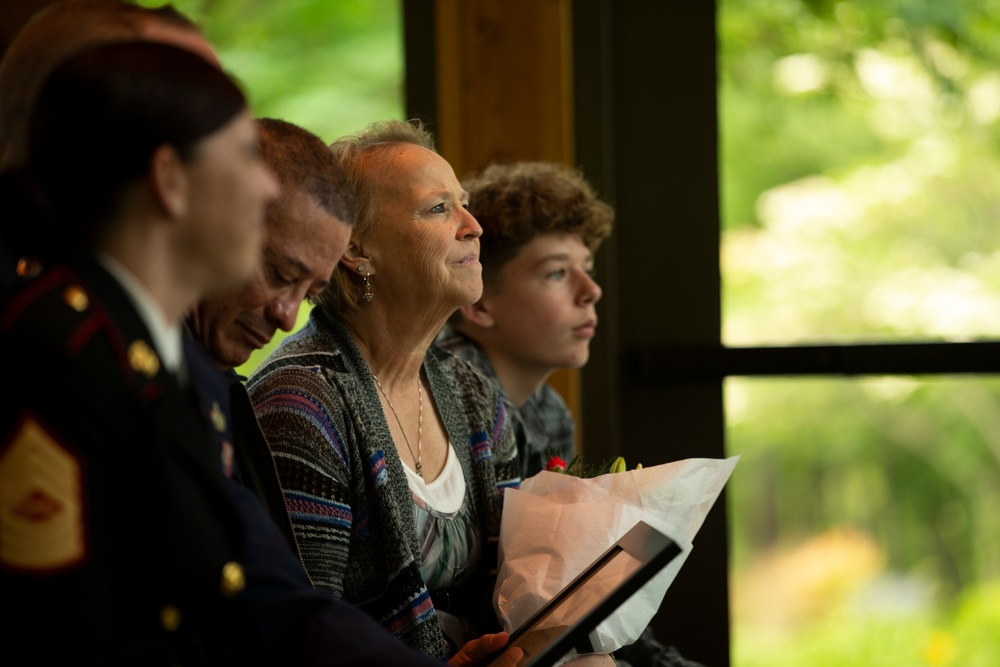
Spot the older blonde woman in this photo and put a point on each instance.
(393, 454)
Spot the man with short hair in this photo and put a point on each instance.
(306, 231)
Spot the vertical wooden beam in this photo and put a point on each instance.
(504, 87)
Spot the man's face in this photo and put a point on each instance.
(302, 245)
(542, 304)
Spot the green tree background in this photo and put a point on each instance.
(860, 175)
(331, 67)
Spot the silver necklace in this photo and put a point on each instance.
(420, 422)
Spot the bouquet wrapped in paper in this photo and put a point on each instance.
(558, 523)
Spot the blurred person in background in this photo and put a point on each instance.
(55, 33)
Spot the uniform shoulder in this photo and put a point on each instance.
(52, 306)
(57, 315)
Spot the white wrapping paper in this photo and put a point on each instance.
(557, 524)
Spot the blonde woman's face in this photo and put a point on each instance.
(424, 244)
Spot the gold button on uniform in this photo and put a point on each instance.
(76, 298)
(170, 618)
(233, 579)
(143, 359)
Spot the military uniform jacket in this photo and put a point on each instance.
(121, 540)
(245, 456)
(118, 537)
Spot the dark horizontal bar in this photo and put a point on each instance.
(670, 364)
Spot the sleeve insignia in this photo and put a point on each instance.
(143, 359)
(217, 417)
(41, 502)
(228, 457)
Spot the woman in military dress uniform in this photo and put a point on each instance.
(118, 538)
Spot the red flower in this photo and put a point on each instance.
(555, 464)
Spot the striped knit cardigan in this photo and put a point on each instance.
(344, 483)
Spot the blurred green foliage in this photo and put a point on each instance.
(859, 170)
(964, 633)
(860, 176)
(331, 67)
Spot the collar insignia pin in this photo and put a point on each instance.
(76, 298)
(143, 359)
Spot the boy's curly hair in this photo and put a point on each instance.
(515, 202)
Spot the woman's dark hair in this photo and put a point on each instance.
(97, 121)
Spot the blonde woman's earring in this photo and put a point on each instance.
(367, 296)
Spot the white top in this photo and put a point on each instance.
(446, 493)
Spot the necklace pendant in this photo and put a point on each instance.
(420, 470)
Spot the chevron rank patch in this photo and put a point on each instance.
(41, 502)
